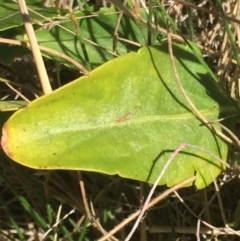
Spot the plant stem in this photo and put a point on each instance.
(42, 73)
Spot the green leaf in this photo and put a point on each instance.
(11, 16)
(95, 34)
(92, 42)
(10, 105)
(126, 118)
(11, 25)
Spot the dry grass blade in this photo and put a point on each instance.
(35, 48)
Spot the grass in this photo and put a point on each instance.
(68, 205)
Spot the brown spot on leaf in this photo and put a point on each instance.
(126, 117)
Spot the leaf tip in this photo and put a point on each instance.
(4, 139)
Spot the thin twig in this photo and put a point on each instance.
(84, 196)
(48, 50)
(57, 220)
(57, 223)
(144, 208)
(42, 72)
(197, 113)
(115, 35)
(219, 200)
(99, 226)
(152, 203)
(143, 235)
(17, 92)
(185, 230)
(89, 214)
